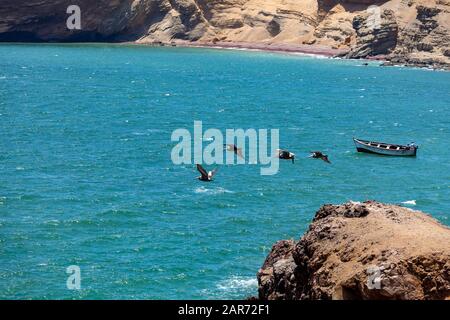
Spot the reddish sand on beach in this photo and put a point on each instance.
(285, 48)
(289, 48)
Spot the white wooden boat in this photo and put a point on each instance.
(387, 149)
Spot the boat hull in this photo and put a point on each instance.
(403, 152)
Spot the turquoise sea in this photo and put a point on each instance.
(86, 176)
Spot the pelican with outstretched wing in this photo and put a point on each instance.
(319, 155)
(285, 154)
(205, 175)
(235, 149)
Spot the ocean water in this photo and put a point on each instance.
(87, 179)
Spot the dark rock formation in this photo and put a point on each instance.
(423, 42)
(273, 27)
(361, 251)
(373, 39)
(426, 16)
(46, 20)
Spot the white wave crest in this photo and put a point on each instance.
(218, 190)
(410, 202)
(236, 283)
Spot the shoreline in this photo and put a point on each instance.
(282, 48)
(313, 50)
(277, 48)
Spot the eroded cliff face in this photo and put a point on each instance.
(407, 31)
(361, 251)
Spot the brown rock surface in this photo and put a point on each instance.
(364, 250)
(372, 41)
(412, 32)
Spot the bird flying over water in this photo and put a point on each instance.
(285, 154)
(235, 149)
(319, 155)
(205, 175)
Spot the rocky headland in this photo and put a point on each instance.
(406, 32)
(364, 250)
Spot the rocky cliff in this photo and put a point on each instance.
(402, 31)
(361, 251)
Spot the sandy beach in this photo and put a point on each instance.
(281, 48)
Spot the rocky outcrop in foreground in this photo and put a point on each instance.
(364, 250)
(408, 32)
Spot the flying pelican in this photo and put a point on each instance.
(285, 154)
(205, 176)
(235, 149)
(319, 155)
